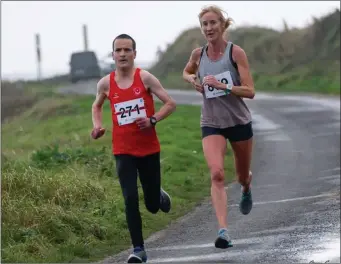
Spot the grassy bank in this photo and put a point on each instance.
(296, 82)
(301, 60)
(61, 201)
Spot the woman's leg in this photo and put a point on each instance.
(214, 147)
(241, 140)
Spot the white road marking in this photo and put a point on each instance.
(335, 169)
(271, 234)
(289, 200)
(228, 254)
(288, 229)
(329, 249)
(326, 134)
(269, 130)
(206, 257)
(334, 181)
(264, 132)
(250, 240)
(301, 109)
(329, 150)
(268, 135)
(277, 137)
(336, 176)
(261, 123)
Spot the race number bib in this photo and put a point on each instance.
(128, 111)
(224, 77)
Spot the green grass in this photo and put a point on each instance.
(300, 81)
(304, 60)
(61, 200)
(296, 82)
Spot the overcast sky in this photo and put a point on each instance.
(152, 24)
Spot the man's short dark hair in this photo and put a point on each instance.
(124, 36)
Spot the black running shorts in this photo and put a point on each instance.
(233, 134)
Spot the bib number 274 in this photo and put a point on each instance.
(126, 112)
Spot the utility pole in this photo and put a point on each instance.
(85, 37)
(38, 52)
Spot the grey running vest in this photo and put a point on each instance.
(226, 110)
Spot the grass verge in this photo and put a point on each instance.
(61, 200)
(301, 81)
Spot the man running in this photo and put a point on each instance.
(225, 78)
(135, 144)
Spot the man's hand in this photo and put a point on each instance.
(143, 122)
(210, 80)
(97, 133)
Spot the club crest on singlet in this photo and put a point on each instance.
(126, 112)
(137, 90)
(224, 77)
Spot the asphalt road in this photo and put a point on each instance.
(296, 190)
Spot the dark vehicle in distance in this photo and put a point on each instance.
(83, 66)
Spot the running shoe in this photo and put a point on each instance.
(138, 256)
(245, 204)
(165, 201)
(223, 240)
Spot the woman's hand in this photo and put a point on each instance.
(210, 80)
(192, 79)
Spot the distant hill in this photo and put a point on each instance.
(307, 59)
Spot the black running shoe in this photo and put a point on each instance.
(165, 201)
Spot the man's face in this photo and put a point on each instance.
(123, 53)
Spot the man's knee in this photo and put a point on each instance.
(131, 199)
(217, 175)
(152, 199)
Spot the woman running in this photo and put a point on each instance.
(220, 71)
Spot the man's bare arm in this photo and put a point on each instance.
(101, 95)
(156, 88)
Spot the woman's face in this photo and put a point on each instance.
(211, 26)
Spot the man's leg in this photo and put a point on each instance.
(127, 174)
(150, 176)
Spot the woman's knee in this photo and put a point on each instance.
(217, 175)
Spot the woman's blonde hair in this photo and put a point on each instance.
(225, 21)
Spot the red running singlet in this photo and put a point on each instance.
(127, 105)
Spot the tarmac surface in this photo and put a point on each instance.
(296, 190)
